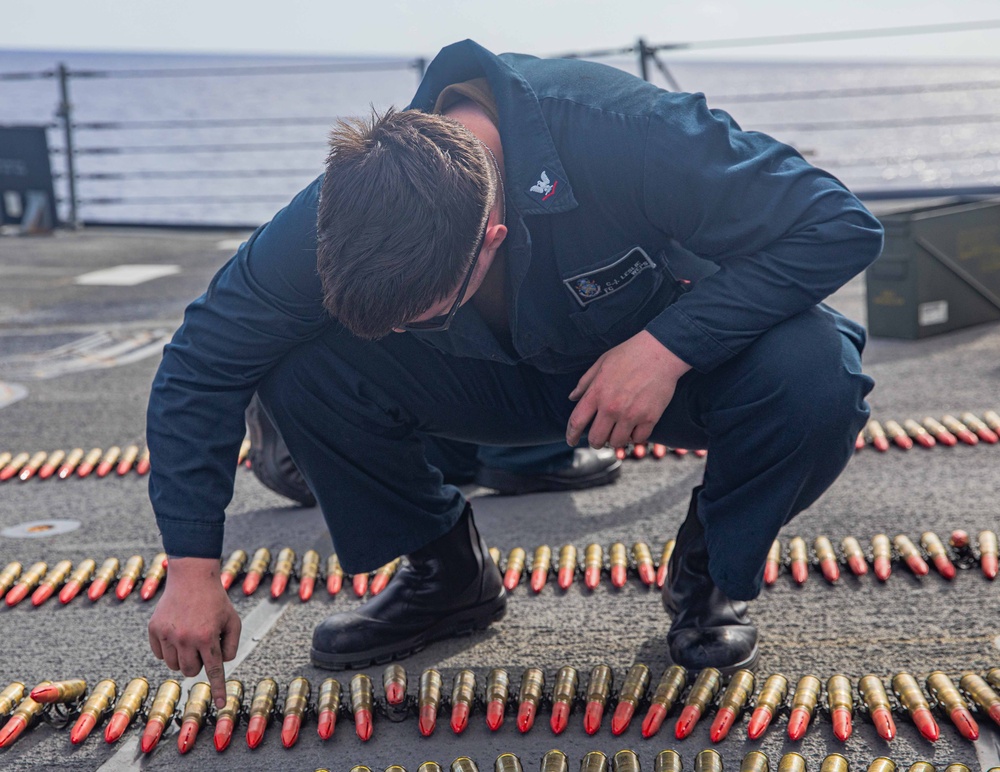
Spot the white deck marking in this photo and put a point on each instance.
(229, 245)
(988, 746)
(257, 624)
(126, 275)
(11, 393)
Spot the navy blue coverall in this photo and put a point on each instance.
(628, 208)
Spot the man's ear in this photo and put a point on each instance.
(495, 235)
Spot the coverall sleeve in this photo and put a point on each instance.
(266, 300)
(785, 234)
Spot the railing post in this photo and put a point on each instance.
(643, 59)
(65, 112)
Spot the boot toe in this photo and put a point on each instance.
(727, 648)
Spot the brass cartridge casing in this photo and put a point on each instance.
(874, 429)
(9, 575)
(5, 458)
(797, 551)
(957, 768)
(953, 425)
(333, 565)
(773, 693)
(933, 425)
(29, 709)
(599, 686)
(388, 569)
(668, 550)
(618, 555)
(515, 561)
(993, 677)
(593, 557)
(244, 451)
(156, 568)
(893, 429)
(851, 548)
(635, 684)
(835, 762)
(705, 688)
(463, 688)
(234, 701)
(988, 543)
(756, 761)
(68, 690)
(931, 542)
(882, 764)
(738, 691)
(264, 696)
(84, 570)
(310, 564)
(60, 571)
(873, 693)
(93, 457)
(133, 698)
(625, 761)
(394, 674)
(101, 699)
(641, 554)
(329, 696)
(670, 761)
(542, 559)
(15, 464)
(108, 571)
(112, 456)
(839, 692)
(774, 553)
(362, 694)
(567, 556)
(595, 761)
(792, 762)
(33, 575)
(497, 686)
(922, 766)
(913, 428)
(497, 557)
(395, 768)
(360, 768)
(670, 687)
(981, 693)
(196, 707)
(464, 764)
(507, 762)
(881, 547)
(164, 702)
(285, 563)
(806, 693)
(823, 549)
(12, 694)
(554, 761)
(133, 568)
(430, 689)
(708, 760)
(260, 561)
(130, 454)
(36, 461)
(297, 697)
(567, 680)
(992, 419)
(908, 691)
(532, 683)
(943, 689)
(430, 766)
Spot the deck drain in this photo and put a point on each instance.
(39, 529)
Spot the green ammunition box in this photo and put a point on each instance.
(939, 271)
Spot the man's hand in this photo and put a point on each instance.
(195, 624)
(625, 392)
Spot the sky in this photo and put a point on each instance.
(542, 27)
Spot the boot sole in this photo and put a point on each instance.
(511, 484)
(463, 623)
(750, 663)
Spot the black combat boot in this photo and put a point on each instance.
(449, 587)
(270, 460)
(709, 629)
(590, 468)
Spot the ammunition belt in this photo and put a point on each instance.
(505, 701)
(564, 566)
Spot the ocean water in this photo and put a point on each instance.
(880, 126)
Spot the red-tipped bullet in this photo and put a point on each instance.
(965, 724)
(994, 713)
(592, 577)
(798, 723)
(290, 730)
(142, 466)
(428, 720)
(151, 735)
(149, 587)
(278, 585)
(560, 717)
(565, 577)
(306, 587)
(639, 451)
(679, 452)
(860, 443)
(687, 721)
(333, 583)
(116, 727)
(990, 567)
(82, 728)
(884, 725)
(841, 724)
(622, 717)
(187, 735)
(646, 573)
(593, 716)
(722, 724)
(658, 451)
(13, 729)
(512, 578)
(701, 452)
(917, 564)
(759, 722)
(459, 717)
(800, 572)
(379, 582)
(251, 582)
(363, 724)
(881, 443)
(944, 566)
(394, 693)
(858, 565)
(97, 589)
(618, 576)
(125, 586)
(102, 471)
(620, 453)
(70, 590)
(882, 567)
(16, 594)
(84, 469)
(494, 715)
(830, 569)
(653, 721)
(538, 578)
(771, 572)
(255, 731)
(526, 716)
(360, 584)
(925, 722)
(327, 723)
(42, 594)
(223, 733)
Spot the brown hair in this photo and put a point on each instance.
(405, 197)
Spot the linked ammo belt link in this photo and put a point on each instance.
(837, 700)
(617, 563)
(928, 433)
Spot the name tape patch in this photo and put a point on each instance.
(594, 285)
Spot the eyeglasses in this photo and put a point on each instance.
(443, 322)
